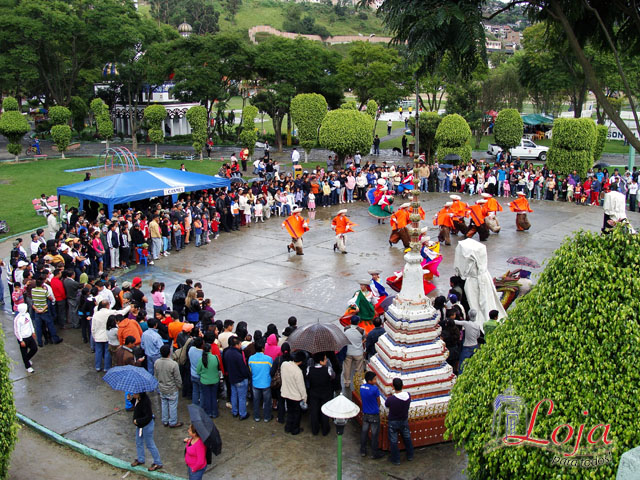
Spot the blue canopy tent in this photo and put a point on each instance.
(141, 184)
(537, 119)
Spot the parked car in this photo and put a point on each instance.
(527, 150)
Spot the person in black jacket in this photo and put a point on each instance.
(373, 336)
(278, 401)
(319, 377)
(143, 420)
(238, 370)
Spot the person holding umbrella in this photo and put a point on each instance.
(195, 455)
(143, 420)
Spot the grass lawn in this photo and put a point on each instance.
(22, 182)
(273, 13)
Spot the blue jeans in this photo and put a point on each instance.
(45, 317)
(166, 244)
(151, 360)
(102, 352)
(156, 244)
(286, 209)
(196, 390)
(400, 427)
(209, 401)
(198, 239)
(178, 240)
(239, 398)
(169, 404)
(467, 352)
(262, 397)
(147, 439)
(197, 475)
(349, 195)
(424, 184)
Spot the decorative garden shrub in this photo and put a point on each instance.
(452, 136)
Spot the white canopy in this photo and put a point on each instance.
(471, 264)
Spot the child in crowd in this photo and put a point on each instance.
(506, 188)
(258, 212)
(311, 202)
(157, 294)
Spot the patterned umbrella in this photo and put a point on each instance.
(524, 261)
(130, 379)
(318, 337)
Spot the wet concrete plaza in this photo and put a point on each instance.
(250, 277)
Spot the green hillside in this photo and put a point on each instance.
(274, 13)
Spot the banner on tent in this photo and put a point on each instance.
(173, 191)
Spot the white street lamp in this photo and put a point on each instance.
(340, 409)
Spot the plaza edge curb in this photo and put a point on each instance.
(90, 452)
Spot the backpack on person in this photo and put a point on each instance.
(182, 354)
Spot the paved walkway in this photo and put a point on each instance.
(249, 276)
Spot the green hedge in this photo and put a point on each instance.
(61, 135)
(574, 339)
(346, 131)
(574, 133)
(463, 151)
(14, 126)
(10, 104)
(508, 128)
(453, 131)
(8, 426)
(197, 118)
(564, 162)
(59, 115)
(601, 138)
(429, 122)
(307, 112)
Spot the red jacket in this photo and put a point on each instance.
(58, 289)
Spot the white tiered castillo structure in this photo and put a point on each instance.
(412, 350)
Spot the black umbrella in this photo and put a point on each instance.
(318, 337)
(238, 180)
(205, 428)
(601, 165)
(452, 157)
(445, 165)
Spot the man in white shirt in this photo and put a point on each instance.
(295, 156)
(105, 294)
(35, 243)
(52, 222)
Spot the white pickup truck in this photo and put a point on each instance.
(527, 150)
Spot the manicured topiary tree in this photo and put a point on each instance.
(508, 129)
(197, 118)
(372, 108)
(104, 125)
(573, 337)
(349, 105)
(8, 426)
(452, 136)
(345, 132)
(307, 112)
(13, 125)
(572, 145)
(429, 122)
(79, 111)
(601, 138)
(154, 116)
(61, 131)
(249, 135)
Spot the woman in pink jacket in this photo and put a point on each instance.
(195, 455)
(271, 348)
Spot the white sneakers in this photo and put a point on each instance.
(30, 370)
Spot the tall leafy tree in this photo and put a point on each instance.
(374, 71)
(61, 39)
(288, 67)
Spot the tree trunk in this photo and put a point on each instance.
(306, 157)
(62, 153)
(591, 78)
(288, 130)
(107, 146)
(277, 130)
(155, 155)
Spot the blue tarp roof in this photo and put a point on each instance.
(130, 186)
(537, 119)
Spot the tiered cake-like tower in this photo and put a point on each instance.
(412, 350)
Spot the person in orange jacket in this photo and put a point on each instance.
(491, 208)
(521, 207)
(342, 225)
(444, 220)
(296, 226)
(399, 221)
(477, 224)
(459, 209)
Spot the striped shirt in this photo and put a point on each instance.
(39, 296)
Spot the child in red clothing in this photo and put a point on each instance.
(215, 224)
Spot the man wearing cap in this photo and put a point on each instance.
(521, 207)
(399, 221)
(342, 225)
(477, 224)
(459, 210)
(295, 226)
(137, 297)
(444, 220)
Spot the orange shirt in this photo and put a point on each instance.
(459, 208)
(343, 224)
(493, 205)
(476, 213)
(174, 329)
(400, 219)
(520, 205)
(443, 219)
(295, 225)
(129, 327)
